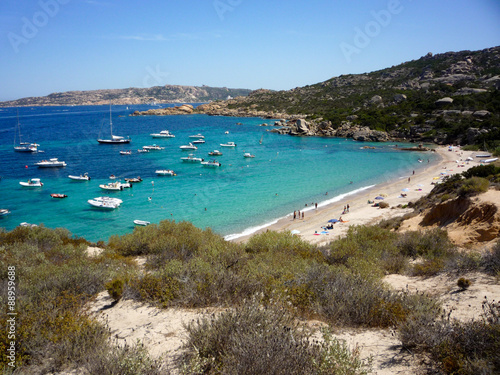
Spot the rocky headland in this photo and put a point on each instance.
(444, 98)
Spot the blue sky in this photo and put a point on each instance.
(60, 45)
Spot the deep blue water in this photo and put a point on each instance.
(286, 173)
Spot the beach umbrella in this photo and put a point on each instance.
(295, 231)
(379, 197)
(332, 220)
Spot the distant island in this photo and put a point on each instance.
(133, 95)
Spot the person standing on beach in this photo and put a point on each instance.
(294, 214)
(302, 215)
(316, 206)
(347, 207)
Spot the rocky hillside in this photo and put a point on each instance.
(449, 97)
(158, 94)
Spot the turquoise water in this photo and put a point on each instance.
(286, 173)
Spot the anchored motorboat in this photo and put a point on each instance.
(162, 134)
(190, 146)
(165, 172)
(228, 144)
(211, 163)
(141, 222)
(51, 163)
(84, 177)
(33, 182)
(112, 186)
(191, 159)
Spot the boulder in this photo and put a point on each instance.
(444, 101)
(376, 99)
(482, 113)
(301, 126)
(398, 98)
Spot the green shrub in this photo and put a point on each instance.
(115, 288)
(262, 339)
(473, 186)
(458, 348)
(463, 283)
(491, 260)
(428, 244)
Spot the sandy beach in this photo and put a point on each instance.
(415, 184)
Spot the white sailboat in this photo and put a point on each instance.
(23, 146)
(115, 139)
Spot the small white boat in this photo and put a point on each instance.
(4, 211)
(165, 172)
(83, 177)
(112, 177)
(153, 148)
(103, 203)
(488, 160)
(199, 141)
(25, 224)
(128, 152)
(228, 144)
(108, 199)
(126, 185)
(26, 148)
(117, 186)
(215, 153)
(200, 136)
(51, 163)
(190, 146)
(211, 163)
(34, 182)
(162, 134)
(142, 150)
(191, 159)
(248, 155)
(483, 155)
(141, 222)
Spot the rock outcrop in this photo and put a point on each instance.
(468, 221)
(184, 109)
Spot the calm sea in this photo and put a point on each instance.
(240, 196)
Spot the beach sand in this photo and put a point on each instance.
(362, 213)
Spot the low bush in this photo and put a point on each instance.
(115, 288)
(262, 339)
(463, 283)
(473, 186)
(491, 260)
(457, 347)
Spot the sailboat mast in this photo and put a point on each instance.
(110, 121)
